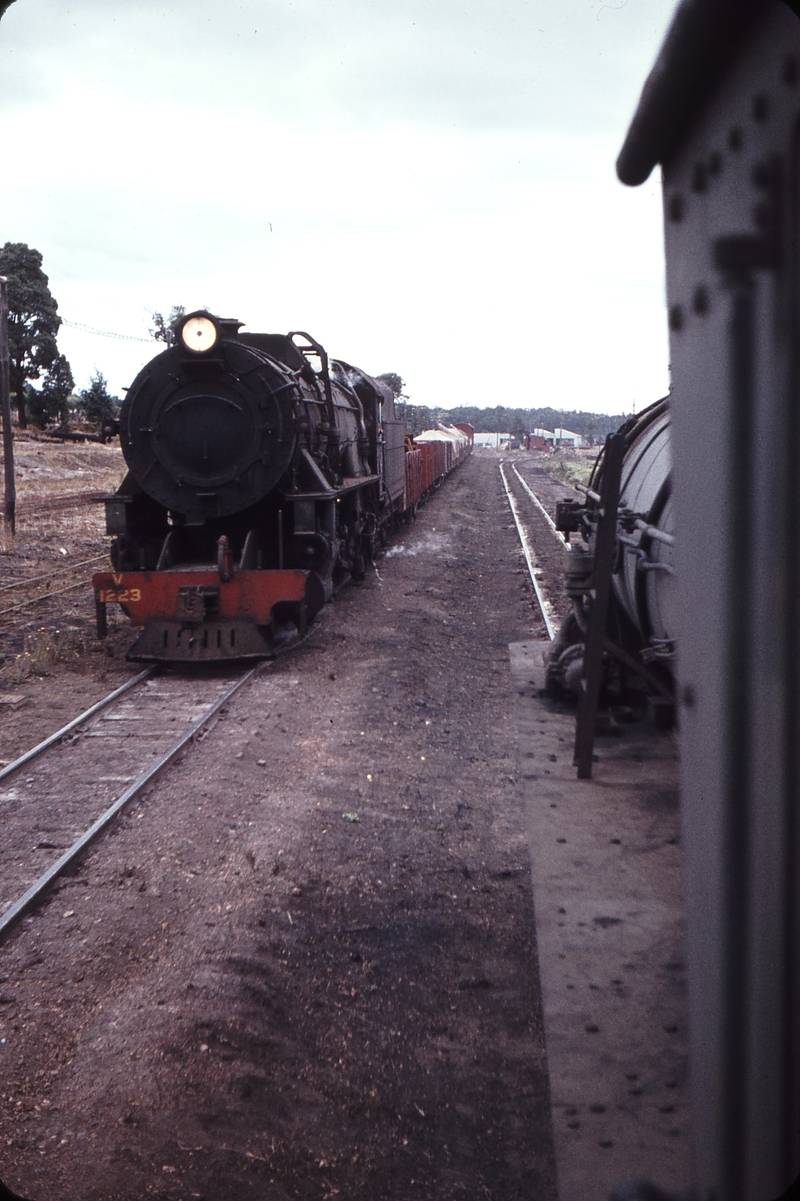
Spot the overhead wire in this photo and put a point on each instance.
(104, 333)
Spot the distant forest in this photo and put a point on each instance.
(591, 426)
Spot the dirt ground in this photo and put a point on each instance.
(304, 964)
(58, 544)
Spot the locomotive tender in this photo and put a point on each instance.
(261, 476)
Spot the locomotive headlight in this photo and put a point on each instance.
(198, 334)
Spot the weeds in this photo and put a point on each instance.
(570, 471)
(43, 649)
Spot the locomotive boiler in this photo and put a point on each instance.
(639, 641)
(261, 475)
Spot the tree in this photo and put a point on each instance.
(163, 328)
(518, 430)
(52, 402)
(96, 403)
(417, 418)
(392, 381)
(33, 319)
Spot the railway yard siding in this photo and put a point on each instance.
(306, 960)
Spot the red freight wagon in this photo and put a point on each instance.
(431, 456)
(426, 449)
(413, 488)
(439, 459)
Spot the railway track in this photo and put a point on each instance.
(542, 545)
(45, 585)
(30, 507)
(61, 794)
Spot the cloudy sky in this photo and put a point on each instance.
(426, 186)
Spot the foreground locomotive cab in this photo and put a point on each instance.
(640, 630)
(261, 476)
(721, 113)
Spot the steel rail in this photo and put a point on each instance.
(76, 721)
(540, 506)
(33, 600)
(526, 549)
(49, 575)
(18, 907)
(67, 500)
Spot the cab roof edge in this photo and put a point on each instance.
(703, 38)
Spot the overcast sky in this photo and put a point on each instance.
(426, 186)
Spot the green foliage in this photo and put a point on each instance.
(502, 420)
(570, 471)
(96, 403)
(393, 381)
(416, 417)
(518, 422)
(33, 319)
(52, 403)
(163, 328)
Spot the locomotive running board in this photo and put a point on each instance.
(348, 484)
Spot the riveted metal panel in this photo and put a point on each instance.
(731, 202)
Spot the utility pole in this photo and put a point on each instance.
(10, 491)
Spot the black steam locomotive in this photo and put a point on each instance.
(261, 475)
(639, 638)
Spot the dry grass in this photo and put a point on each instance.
(43, 649)
(49, 546)
(571, 467)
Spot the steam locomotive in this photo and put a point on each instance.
(640, 631)
(261, 476)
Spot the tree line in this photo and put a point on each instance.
(592, 426)
(33, 325)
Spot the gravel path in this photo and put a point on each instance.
(304, 965)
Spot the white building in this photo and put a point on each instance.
(491, 439)
(567, 437)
